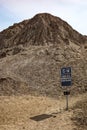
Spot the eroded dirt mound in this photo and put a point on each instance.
(32, 53)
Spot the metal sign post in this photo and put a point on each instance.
(66, 82)
(66, 102)
(66, 93)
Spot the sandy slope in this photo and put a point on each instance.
(16, 113)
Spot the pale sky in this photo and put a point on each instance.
(72, 11)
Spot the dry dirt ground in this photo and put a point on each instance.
(18, 113)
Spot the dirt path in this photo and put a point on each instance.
(18, 113)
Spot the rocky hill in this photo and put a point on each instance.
(32, 53)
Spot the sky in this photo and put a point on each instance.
(72, 11)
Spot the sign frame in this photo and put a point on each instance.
(66, 79)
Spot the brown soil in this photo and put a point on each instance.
(18, 112)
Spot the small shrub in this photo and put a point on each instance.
(80, 115)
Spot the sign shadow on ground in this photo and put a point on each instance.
(41, 117)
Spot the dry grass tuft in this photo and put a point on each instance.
(80, 115)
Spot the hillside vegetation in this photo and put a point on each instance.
(80, 114)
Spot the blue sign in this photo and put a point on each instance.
(66, 76)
